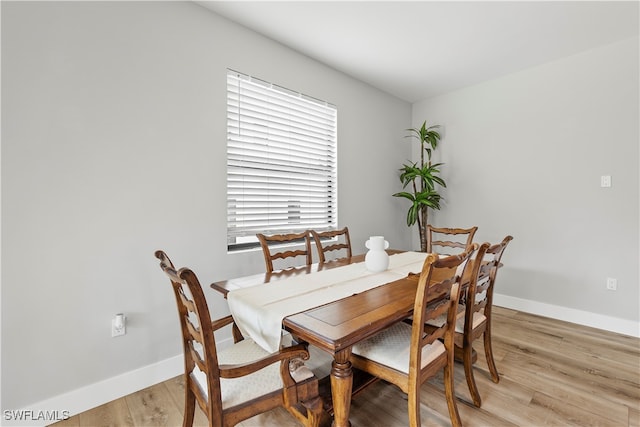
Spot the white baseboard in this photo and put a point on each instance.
(585, 318)
(96, 394)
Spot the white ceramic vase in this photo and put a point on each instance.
(376, 259)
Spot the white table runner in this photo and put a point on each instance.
(259, 310)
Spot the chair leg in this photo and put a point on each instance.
(468, 373)
(413, 402)
(450, 394)
(189, 407)
(488, 351)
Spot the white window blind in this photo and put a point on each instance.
(281, 161)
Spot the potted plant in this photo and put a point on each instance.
(422, 179)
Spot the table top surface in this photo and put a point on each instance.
(342, 323)
(338, 325)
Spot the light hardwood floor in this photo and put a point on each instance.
(552, 374)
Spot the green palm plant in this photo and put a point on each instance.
(422, 178)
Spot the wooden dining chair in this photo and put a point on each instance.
(276, 239)
(336, 240)
(449, 241)
(240, 381)
(404, 354)
(478, 301)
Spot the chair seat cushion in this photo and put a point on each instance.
(391, 347)
(238, 390)
(478, 318)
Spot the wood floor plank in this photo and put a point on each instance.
(551, 381)
(618, 342)
(112, 414)
(634, 417)
(175, 386)
(154, 406)
(434, 404)
(382, 404)
(554, 375)
(508, 399)
(572, 414)
(622, 351)
(506, 403)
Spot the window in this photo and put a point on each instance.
(281, 161)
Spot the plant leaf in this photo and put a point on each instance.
(406, 195)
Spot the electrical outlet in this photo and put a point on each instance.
(612, 284)
(605, 181)
(118, 325)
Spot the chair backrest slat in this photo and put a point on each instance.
(266, 243)
(440, 240)
(343, 243)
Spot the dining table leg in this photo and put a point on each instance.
(341, 386)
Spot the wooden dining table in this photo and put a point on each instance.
(336, 326)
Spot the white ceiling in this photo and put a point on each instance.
(418, 49)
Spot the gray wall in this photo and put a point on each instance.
(113, 146)
(523, 156)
